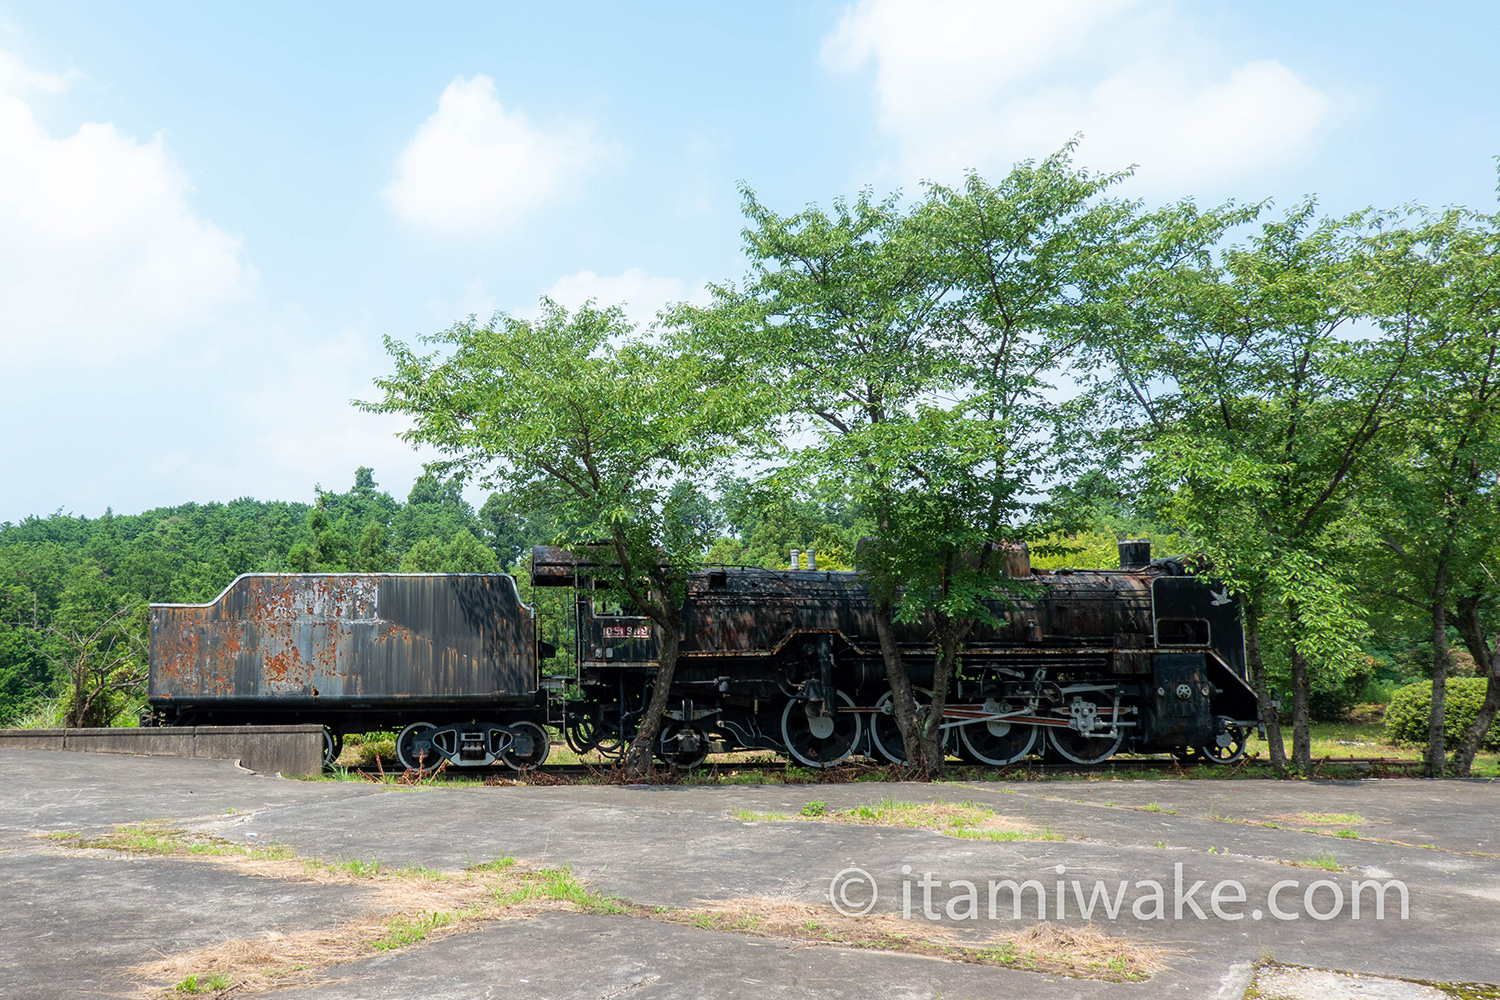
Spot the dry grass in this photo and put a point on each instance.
(405, 906)
(965, 820)
(1077, 952)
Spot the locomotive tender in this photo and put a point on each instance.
(449, 659)
(1147, 658)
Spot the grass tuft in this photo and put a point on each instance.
(402, 931)
(166, 841)
(212, 983)
(750, 816)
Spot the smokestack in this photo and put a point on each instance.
(1135, 553)
(812, 559)
(796, 559)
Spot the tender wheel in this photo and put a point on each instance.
(541, 745)
(997, 742)
(820, 741)
(1073, 745)
(669, 746)
(1228, 748)
(414, 748)
(333, 745)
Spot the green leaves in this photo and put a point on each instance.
(582, 418)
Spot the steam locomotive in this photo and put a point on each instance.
(1082, 665)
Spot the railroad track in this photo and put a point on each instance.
(1375, 767)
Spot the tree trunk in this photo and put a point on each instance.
(903, 700)
(1301, 695)
(638, 758)
(1269, 716)
(1435, 753)
(1488, 656)
(83, 696)
(951, 635)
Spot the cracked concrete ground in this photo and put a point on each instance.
(76, 920)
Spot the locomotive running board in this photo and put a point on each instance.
(970, 714)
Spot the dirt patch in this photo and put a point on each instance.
(1077, 952)
(965, 820)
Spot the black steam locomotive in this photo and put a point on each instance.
(1148, 658)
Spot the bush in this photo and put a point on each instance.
(1406, 719)
(369, 747)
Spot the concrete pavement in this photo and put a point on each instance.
(78, 919)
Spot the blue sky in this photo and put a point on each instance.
(209, 217)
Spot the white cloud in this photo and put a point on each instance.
(16, 77)
(1260, 115)
(641, 295)
(101, 254)
(300, 418)
(980, 83)
(474, 168)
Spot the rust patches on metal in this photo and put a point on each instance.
(338, 637)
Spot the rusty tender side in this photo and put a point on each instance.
(1078, 664)
(448, 659)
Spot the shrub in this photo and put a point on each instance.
(1406, 719)
(369, 747)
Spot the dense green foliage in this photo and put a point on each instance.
(1406, 718)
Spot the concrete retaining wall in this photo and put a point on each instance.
(32, 739)
(291, 750)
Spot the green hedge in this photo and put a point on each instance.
(1406, 718)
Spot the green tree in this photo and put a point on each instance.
(95, 641)
(836, 314)
(1259, 406)
(1431, 501)
(512, 532)
(434, 507)
(921, 347)
(579, 415)
(427, 556)
(374, 553)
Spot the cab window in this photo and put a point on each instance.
(1182, 631)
